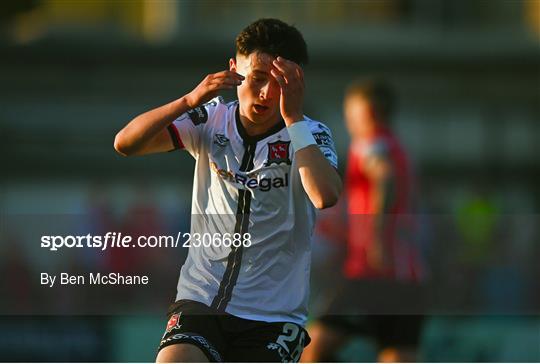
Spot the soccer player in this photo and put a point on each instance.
(380, 297)
(262, 167)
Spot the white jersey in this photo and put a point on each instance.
(249, 185)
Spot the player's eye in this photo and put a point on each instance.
(258, 78)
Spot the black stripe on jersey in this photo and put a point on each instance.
(234, 259)
(242, 222)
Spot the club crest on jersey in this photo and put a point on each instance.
(221, 140)
(173, 323)
(278, 152)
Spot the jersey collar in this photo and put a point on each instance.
(254, 139)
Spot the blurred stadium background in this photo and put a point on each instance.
(72, 73)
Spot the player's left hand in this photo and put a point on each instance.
(290, 78)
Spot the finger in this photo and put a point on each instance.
(285, 65)
(236, 75)
(233, 80)
(220, 85)
(229, 79)
(215, 88)
(279, 77)
(216, 82)
(231, 74)
(290, 70)
(280, 65)
(285, 60)
(300, 73)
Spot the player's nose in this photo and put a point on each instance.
(263, 92)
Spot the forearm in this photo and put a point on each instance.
(319, 178)
(143, 128)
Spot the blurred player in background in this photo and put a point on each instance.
(379, 297)
(262, 167)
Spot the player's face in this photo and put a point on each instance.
(358, 116)
(259, 94)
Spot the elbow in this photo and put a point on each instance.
(326, 200)
(329, 196)
(324, 203)
(121, 146)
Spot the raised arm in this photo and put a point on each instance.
(319, 178)
(147, 133)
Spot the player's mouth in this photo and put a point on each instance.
(260, 109)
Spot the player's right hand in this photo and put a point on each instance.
(211, 85)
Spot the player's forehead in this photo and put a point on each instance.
(255, 62)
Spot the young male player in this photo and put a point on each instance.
(262, 167)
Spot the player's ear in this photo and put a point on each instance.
(232, 64)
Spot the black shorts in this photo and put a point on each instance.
(227, 338)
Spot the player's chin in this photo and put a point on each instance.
(260, 119)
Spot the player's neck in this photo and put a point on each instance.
(255, 129)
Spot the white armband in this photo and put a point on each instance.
(301, 136)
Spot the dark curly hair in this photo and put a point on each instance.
(274, 37)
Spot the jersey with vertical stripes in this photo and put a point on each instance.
(244, 184)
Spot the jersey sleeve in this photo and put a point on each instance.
(323, 137)
(188, 130)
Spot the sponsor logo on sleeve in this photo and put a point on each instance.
(323, 127)
(329, 154)
(278, 152)
(323, 139)
(198, 115)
